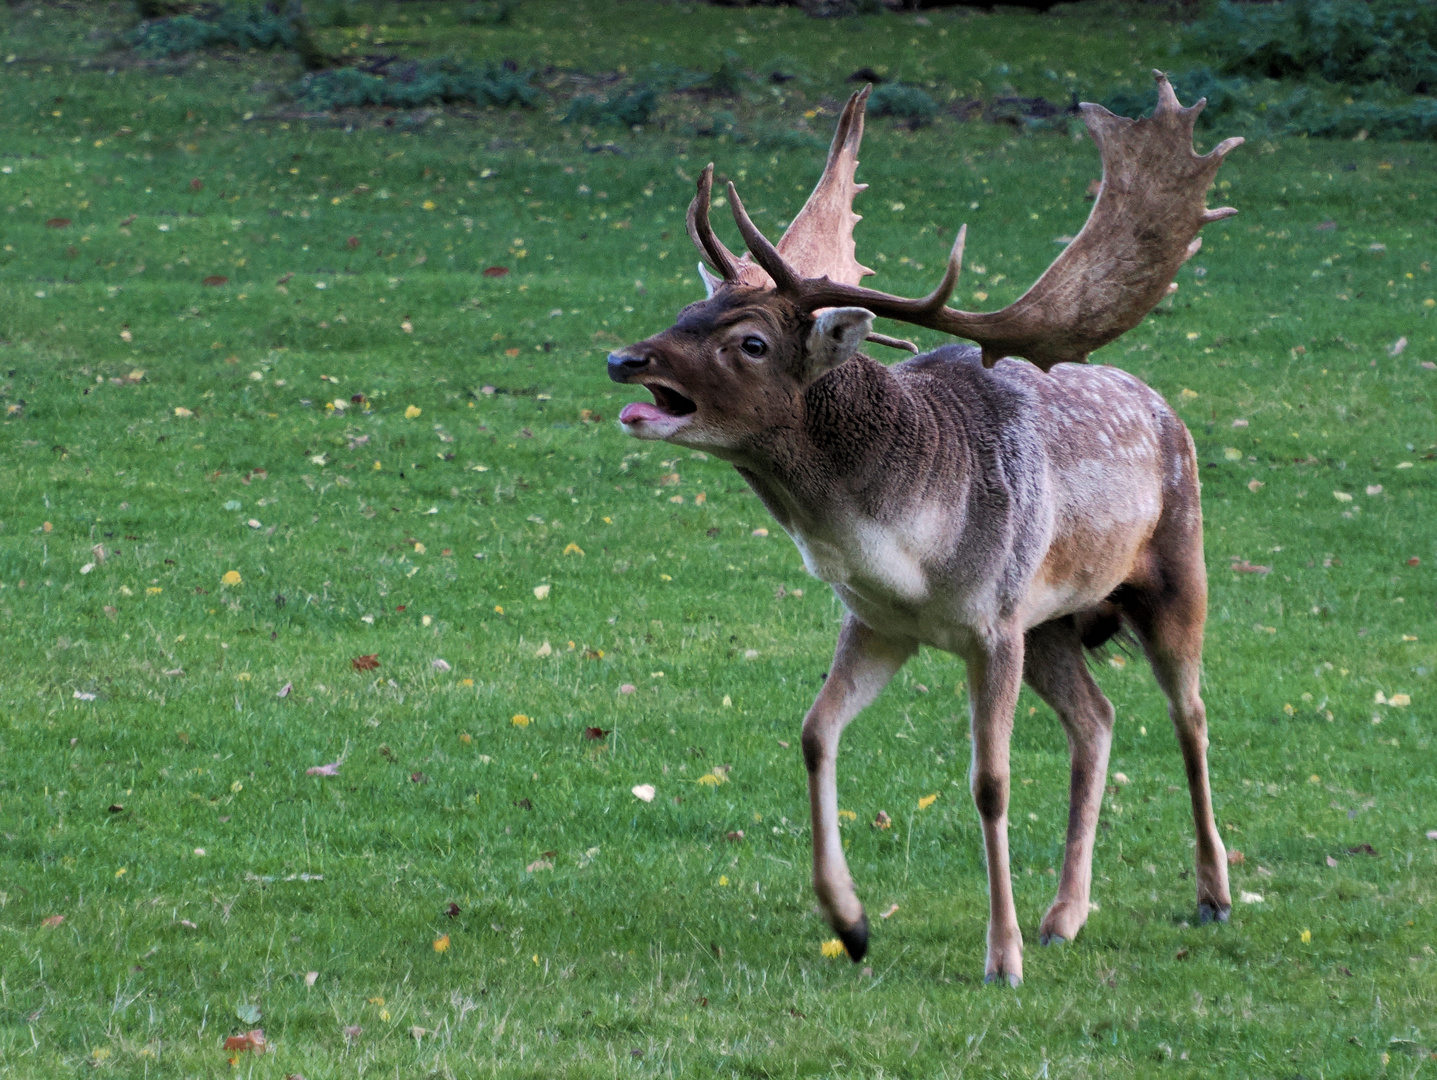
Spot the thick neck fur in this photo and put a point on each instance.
(861, 441)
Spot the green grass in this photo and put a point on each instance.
(631, 956)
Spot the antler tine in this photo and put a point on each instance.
(819, 240)
(702, 233)
(785, 280)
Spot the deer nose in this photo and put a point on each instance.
(621, 366)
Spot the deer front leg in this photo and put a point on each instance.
(995, 676)
(863, 663)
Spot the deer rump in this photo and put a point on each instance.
(1004, 502)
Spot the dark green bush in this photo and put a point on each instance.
(1345, 41)
(413, 85)
(908, 103)
(240, 27)
(633, 106)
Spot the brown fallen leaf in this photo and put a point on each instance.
(216, 279)
(736, 836)
(58, 223)
(1236, 858)
(489, 271)
(366, 663)
(882, 821)
(352, 1033)
(452, 910)
(1362, 849)
(250, 1041)
(52, 921)
(595, 733)
(1245, 567)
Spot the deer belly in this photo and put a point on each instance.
(1087, 562)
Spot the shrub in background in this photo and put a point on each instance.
(1346, 41)
(633, 106)
(411, 85)
(907, 103)
(241, 27)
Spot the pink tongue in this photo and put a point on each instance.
(641, 410)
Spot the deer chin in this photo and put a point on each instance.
(669, 413)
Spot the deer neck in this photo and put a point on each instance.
(859, 446)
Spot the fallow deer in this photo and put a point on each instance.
(1010, 513)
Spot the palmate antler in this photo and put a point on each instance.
(1143, 226)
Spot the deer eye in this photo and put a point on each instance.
(754, 346)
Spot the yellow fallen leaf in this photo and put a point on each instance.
(180, 410)
(1186, 394)
(832, 948)
(1306, 937)
(411, 412)
(573, 549)
(1232, 453)
(848, 815)
(520, 720)
(1400, 700)
(927, 801)
(723, 879)
(232, 577)
(1342, 496)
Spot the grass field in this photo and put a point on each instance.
(217, 497)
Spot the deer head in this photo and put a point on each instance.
(781, 316)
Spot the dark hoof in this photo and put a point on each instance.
(1210, 912)
(1014, 981)
(855, 938)
(1052, 939)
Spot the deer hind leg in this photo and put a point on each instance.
(1169, 622)
(1055, 667)
(995, 676)
(863, 663)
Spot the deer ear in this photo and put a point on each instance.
(837, 334)
(711, 280)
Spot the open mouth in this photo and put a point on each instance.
(668, 404)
